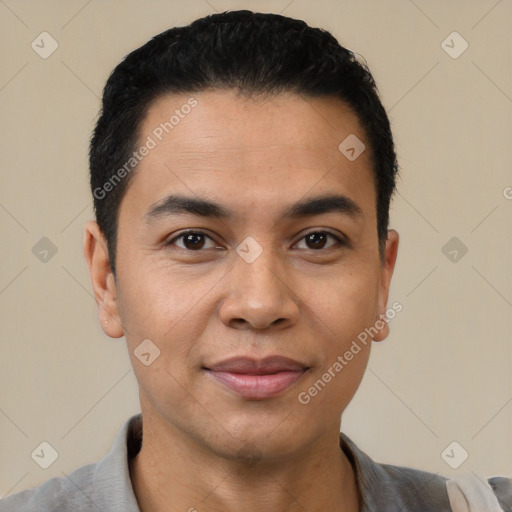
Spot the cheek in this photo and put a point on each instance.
(342, 308)
(170, 309)
(331, 387)
(345, 304)
(152, 300)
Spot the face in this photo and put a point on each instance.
(254, 288)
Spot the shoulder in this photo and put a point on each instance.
(387, 488)
(104, 485)
(59, 493)
(416, 489)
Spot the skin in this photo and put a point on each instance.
(255, 156)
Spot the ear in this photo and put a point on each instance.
(103, 282)
(388, 265)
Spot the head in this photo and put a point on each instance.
(232, 129)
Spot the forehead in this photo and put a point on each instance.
(249, 150)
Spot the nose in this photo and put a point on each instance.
(259, 296)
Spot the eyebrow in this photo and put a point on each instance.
(178, 205)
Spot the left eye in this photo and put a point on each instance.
(196, 240)
(317, 239)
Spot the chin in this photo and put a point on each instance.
(256, 441)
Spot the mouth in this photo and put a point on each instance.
(257, 379)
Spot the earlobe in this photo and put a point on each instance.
(102, 280)
(387, 269)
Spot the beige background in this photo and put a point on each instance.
(443, 375)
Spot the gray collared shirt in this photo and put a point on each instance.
(106, 486)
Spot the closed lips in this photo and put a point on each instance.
(251, 366)
(257, 379)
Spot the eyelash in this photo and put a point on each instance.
(339, 241)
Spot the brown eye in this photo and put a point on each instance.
(317, 240)
(191, 240)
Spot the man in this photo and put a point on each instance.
(242, 170)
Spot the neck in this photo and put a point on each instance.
(174, 473)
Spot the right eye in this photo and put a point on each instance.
(191, 240)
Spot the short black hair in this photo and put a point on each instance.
(250, 52)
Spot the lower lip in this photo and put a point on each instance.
(258, 387)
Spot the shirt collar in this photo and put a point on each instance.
(112, 482)
(115, 491)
